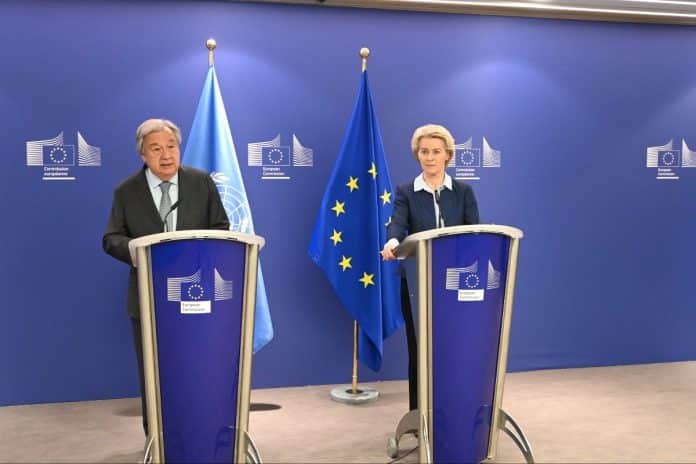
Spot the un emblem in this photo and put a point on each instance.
(235, 203)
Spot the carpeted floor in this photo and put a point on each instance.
(623, 414)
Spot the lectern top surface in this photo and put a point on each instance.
(149, 240)
(407, 247)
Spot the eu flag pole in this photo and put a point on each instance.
(210, 148)
(349, 233)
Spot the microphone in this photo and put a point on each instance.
(171, 210)
(441, 221)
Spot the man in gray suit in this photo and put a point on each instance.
(162, 196)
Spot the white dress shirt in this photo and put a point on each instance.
(154, 183)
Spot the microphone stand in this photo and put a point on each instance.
(441, 221)
(171, 210)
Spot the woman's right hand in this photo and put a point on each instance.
(388, 252)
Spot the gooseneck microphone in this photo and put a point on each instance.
(441, 221)
(171, 210)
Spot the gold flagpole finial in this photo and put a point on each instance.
(364, 53)
(211, 44)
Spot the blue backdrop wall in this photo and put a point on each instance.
(606, 270)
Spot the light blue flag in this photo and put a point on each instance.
(351, 229)
(210, 148)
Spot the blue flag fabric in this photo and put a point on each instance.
(210, 148)
(351, 229)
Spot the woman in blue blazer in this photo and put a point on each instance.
(433, 199)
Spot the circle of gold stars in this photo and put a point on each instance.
(54, 158)
(275, 160)
(472, 283)
(200, 292)
(668, 158)
(467, 157)
(339, 208)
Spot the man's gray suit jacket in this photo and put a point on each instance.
(134, 214)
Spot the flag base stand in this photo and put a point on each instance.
(352, 393)
(345, 394)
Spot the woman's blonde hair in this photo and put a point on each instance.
(435, 131)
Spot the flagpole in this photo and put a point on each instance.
(364, 53)
(354, 395)
(211, 44)
(355, 357)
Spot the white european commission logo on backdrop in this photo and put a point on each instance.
(468, 160)
(667, 160)
(193, 297)
(469, 284)
(276, 161)
(59, 161)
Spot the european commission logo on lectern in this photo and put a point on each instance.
(468, 160)
(277, 161)
(194, 295)
(469, 283)
(60, 161)
(667, 160)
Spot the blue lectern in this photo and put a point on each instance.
(197, 296)
(465, 287)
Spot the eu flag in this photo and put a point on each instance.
(352, 227)
(210, 148)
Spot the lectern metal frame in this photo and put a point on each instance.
(140, 250)
(420, 245)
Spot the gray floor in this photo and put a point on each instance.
(642, 413)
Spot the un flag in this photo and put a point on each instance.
(210, 147)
